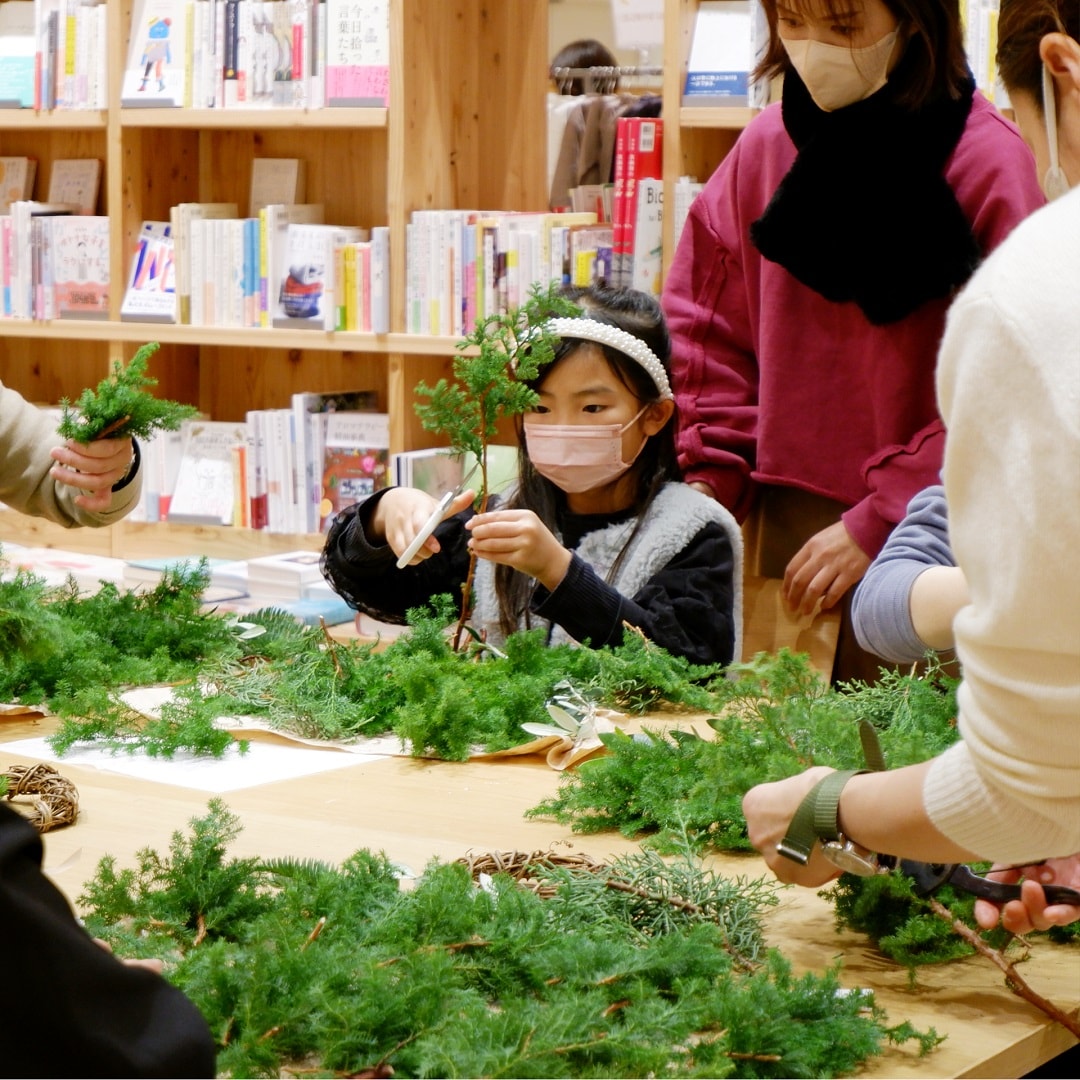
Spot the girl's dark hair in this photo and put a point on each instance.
(934, 67)
(583, 53)
(639, 314)
(1022, 24)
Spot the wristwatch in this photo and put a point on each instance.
(817, 819)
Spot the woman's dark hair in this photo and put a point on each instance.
(583, 53)
(1022, 24)
(934, 67)
(639, 314)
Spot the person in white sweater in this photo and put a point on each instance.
(1009, 390)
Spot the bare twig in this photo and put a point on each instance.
(1013, 979)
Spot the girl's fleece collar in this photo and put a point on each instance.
(865, 213)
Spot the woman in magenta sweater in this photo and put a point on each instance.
(808, 293)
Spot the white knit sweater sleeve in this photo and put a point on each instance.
(1009, 389)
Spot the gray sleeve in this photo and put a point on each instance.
(881, 611)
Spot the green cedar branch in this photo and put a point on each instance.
(121, 405)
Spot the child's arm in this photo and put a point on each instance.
(686, 607)
(358, 561)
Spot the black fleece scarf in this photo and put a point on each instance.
(865, 213)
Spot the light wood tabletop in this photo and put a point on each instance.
(417, 810)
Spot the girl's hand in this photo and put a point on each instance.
(768, 809)
(1031, 911)
(822, 570)
(94, 467)
(402, 513)
(518, 538)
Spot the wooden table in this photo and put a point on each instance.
(416, 810)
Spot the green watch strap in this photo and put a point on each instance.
(871, 747)
(816, 817)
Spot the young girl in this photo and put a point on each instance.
(807, 297)
(599, 533)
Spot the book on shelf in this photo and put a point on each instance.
(357, 53)
(356, 458)
(151, 288)
(306, 292)
(27, 275)
(18, 49)
(180, 218)
(292, 25)
(276, 180)
(70, 66)
(203, 494)
(16, 180)
(687, 189)
(436, 470)
(311, 411)
(639, 155)
(75, 181)
(156, 72)
(646, 257)
(274, 222)
(80, 266)
(728, 39)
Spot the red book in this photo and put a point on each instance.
(645, 158)
(618, 202)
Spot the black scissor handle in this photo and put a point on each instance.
(928, 877)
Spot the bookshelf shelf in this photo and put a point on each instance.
(697, 117)
(254, 119)
(229, 337)
(53, 120)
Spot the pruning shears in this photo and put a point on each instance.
(929, 877)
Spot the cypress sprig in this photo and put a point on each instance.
(121, 405)
(450, 980)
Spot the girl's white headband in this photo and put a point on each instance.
(626, 343)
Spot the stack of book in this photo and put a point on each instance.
(233, 54)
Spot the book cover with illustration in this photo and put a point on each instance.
(151, 287)
(155, 73)
(80, 266)
(356, 459)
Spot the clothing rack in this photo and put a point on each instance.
(606, 80)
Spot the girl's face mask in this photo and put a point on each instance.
(580, 457)
(836, 75)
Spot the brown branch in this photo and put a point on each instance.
(114, 425)
(316, 930)
(1013, 979)
(331, 646)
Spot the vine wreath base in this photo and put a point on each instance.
(54, 798)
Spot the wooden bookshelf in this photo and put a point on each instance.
(695, 139)
(465, 127)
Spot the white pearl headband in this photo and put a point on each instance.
(626, 343)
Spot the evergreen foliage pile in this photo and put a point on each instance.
(122, 406)
(302, 964)
(777, 718)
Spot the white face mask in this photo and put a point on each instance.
(1055, 183)
(579, 457)
(835, 75)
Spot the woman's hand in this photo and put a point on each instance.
(822, 570)
(93, 467)
(1031, 911)
(402, 512)
(518, 538)
(768, 809)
